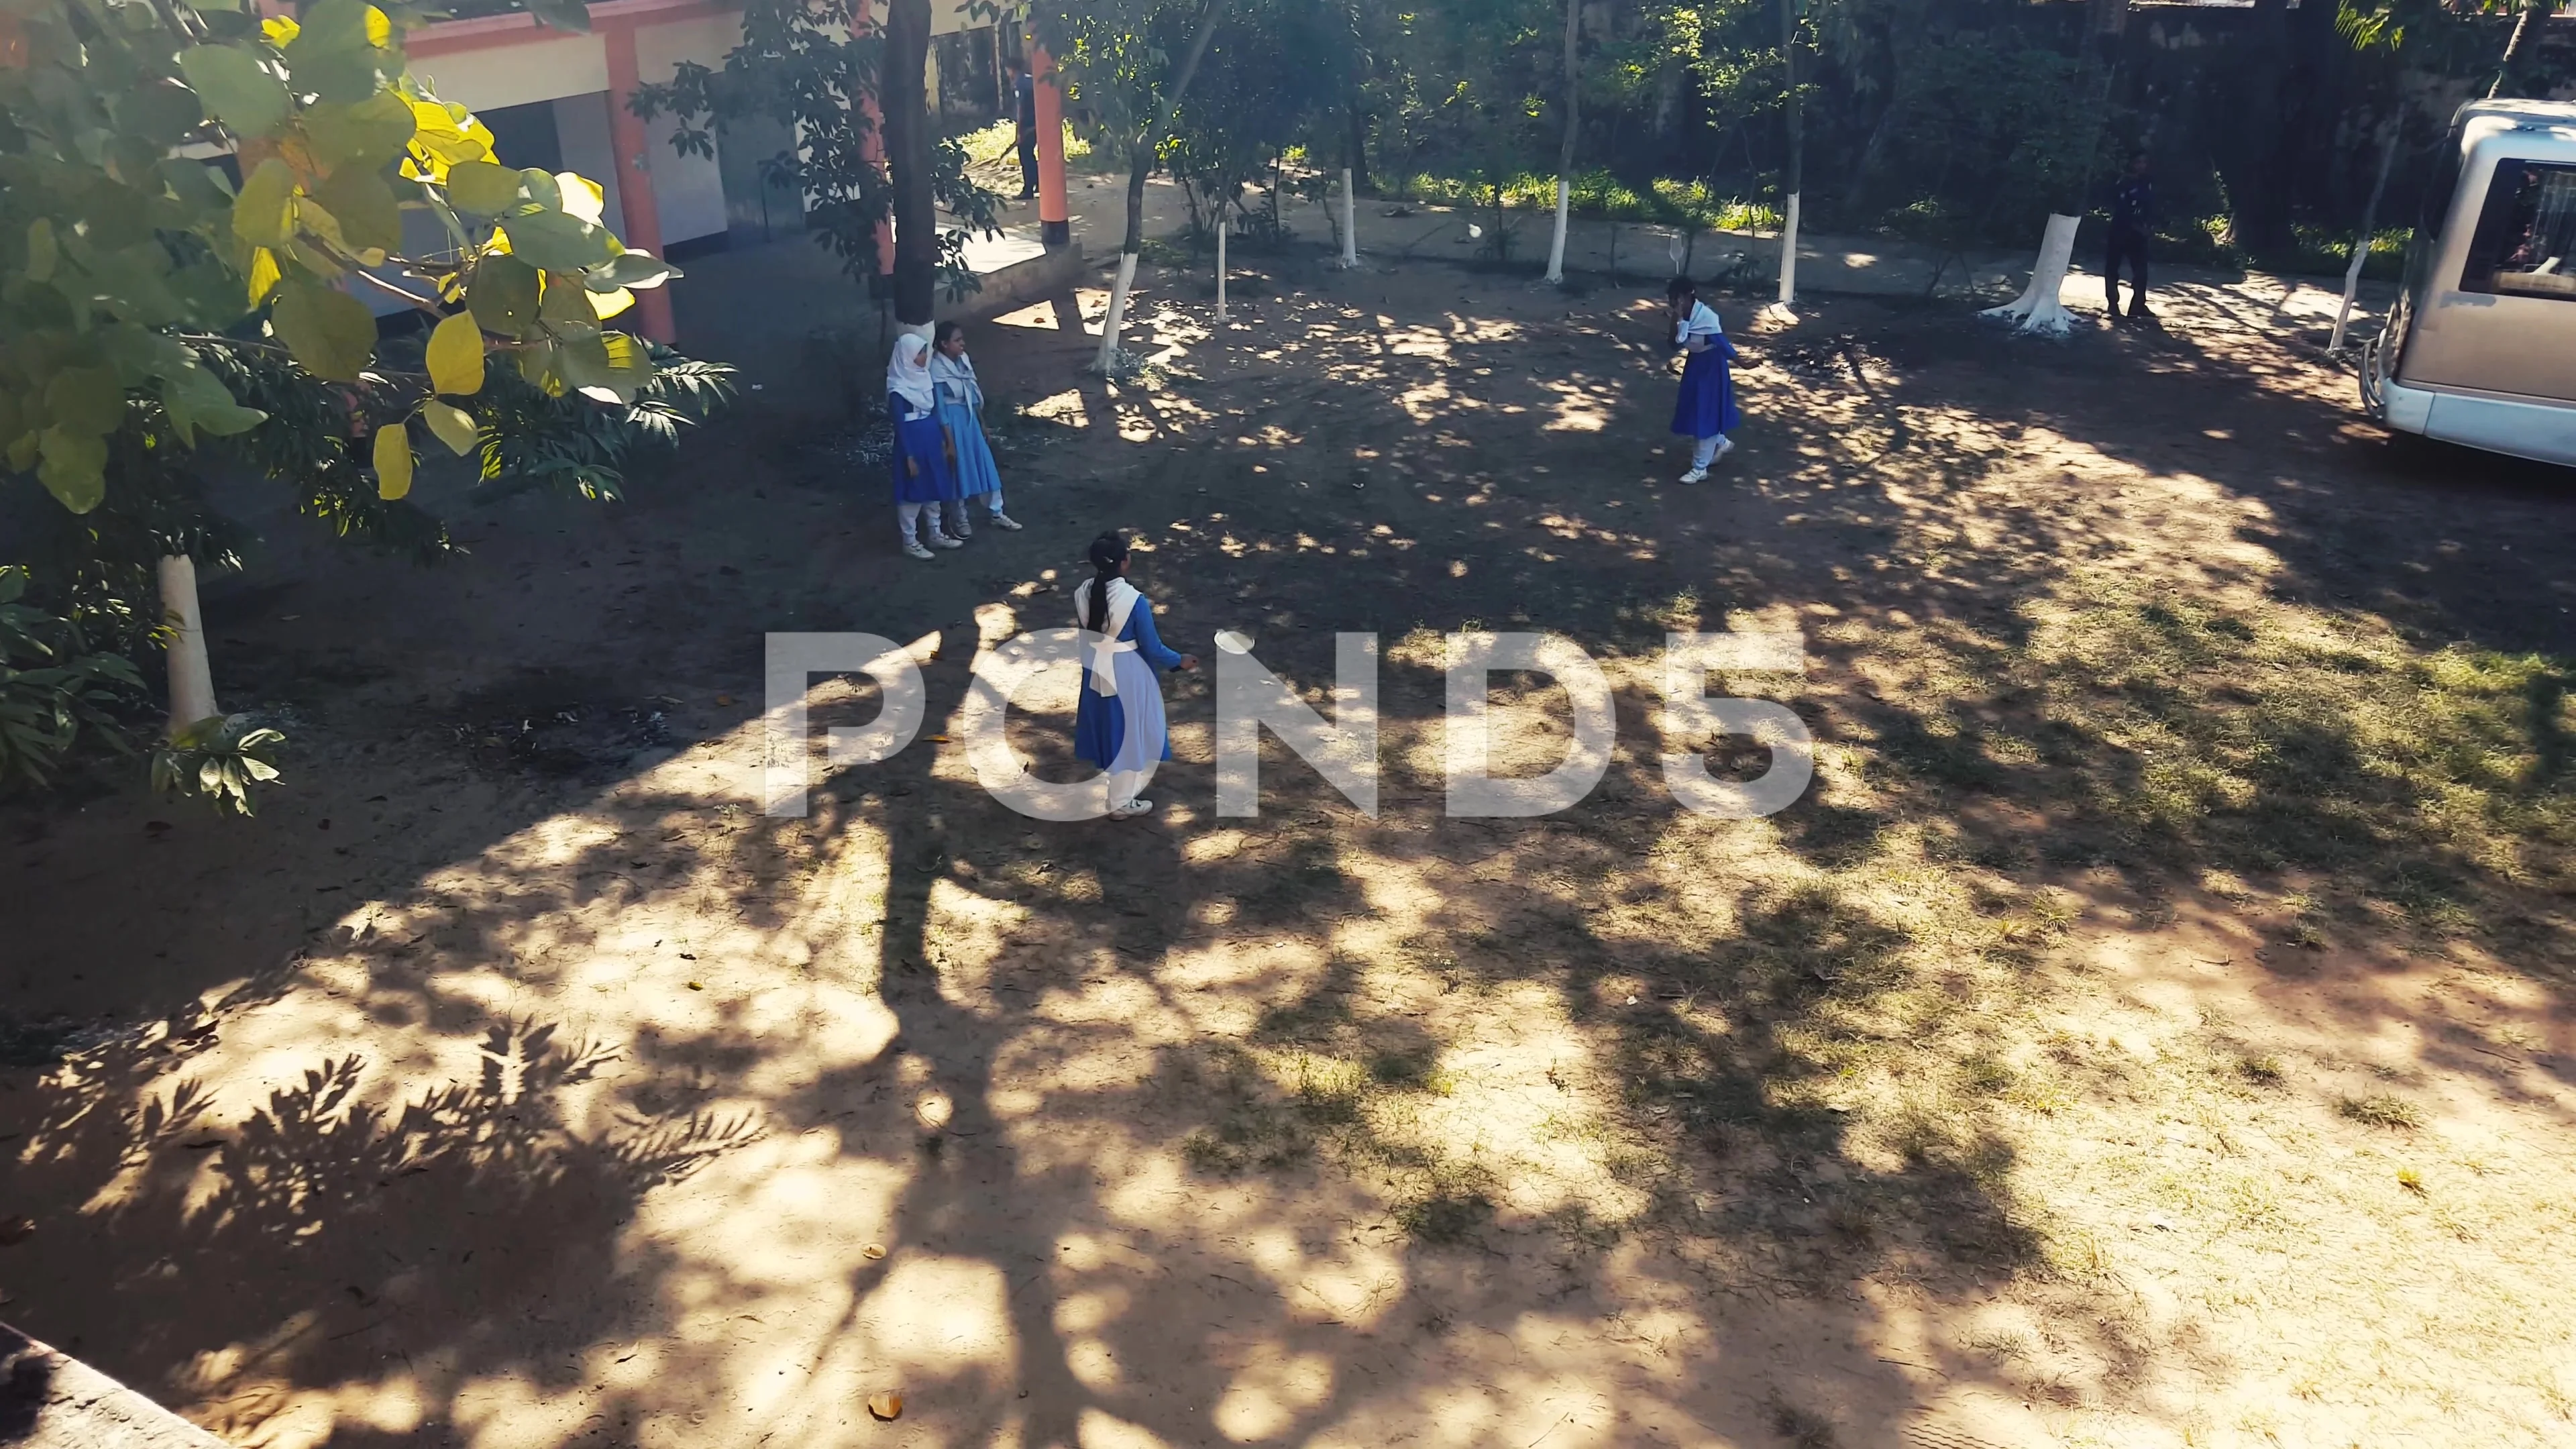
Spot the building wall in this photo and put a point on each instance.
(545, 67)
(688, 190)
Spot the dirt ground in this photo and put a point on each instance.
(2153, 1028)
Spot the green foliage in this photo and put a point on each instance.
(1457, 84)
(1597, 193)
(1275, 65)
(56, 691)
(221, 759)
(813, 68)
(123, 262)
(159, 320)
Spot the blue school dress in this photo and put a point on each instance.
(1706, 407)
(1127, 732)
(958, 413)
(917, 437)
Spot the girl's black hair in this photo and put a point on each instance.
(1108, 551)
(945, 331)
(1678, 288)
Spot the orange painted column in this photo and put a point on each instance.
(1054, 222)
(872, 146)
(640, 216)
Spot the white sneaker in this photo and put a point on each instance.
(964, 531)
(1724, 447)
(1131, 809)
(1003, 521)
(941, 540)
(912, 549)
(1695, 475)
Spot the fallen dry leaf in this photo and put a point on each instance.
(697, 986)
(872, 1251)
(938, 739)
(886, 1406)
(16, 1231)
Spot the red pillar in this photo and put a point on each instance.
(1055, 223)
(872, 148)
(641, 218)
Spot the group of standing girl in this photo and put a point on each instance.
(941, 462)
(941, 465)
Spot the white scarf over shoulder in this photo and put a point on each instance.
(1106, 646)
(956, 379)
(1701, 322)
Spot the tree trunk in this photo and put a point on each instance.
(2037, 309)
(1795, 177)
(1140, 164)
(2369, 221)
(1565, 152)
(1358, 153)
(192, 681)
(1220, 261)
(1350, 221)
(908, 142)
(2513, 43)
(2258, 191)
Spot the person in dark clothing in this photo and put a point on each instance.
(1024, 111)
(2133, 219)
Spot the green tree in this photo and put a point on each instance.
(817, 67)
(1129, 65)
(160, 319)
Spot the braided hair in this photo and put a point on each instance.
(1108, 554)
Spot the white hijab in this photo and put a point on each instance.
(908, 374)
(957, 376)
(1122, 597)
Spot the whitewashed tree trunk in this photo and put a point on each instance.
(1556, 245)
(1565, 153)
(1785, 308)
(1350, 221)
(2037, 309)
(1117, 317)
(192, 680)
(2361, 246)
(1220, 265)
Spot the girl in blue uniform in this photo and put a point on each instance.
(922, 479)
(1119, 725)
(961, 413)
(1705, 411)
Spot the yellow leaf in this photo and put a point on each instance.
(264, 208)
(393, 462)
(263, 274)
(456, 356)
(280, 30)
(582, 197)
(451, 424)
(886, 1406)
(609, 304)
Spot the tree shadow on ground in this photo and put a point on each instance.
(1318, 1125)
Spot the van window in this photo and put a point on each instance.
(2525, 244)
